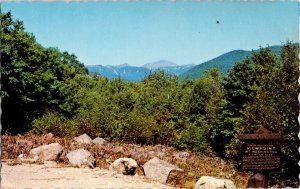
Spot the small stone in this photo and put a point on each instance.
(99, 140)
(182, 155)
(20, 156)
(30, 160)
(49, 135)
(83, 139)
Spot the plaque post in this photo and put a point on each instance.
(261, 154)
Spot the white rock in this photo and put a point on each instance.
(125, 166)
(159, 170)
(50, 152)
(83, 139)
(206, 182)
(20, 156)
(81, 158)
(99, 140)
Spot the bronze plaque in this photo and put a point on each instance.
(261, 156)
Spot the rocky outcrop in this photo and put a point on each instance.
(83, 139)
(211, 182)
(50, 152)
(125, 166)
(81, 158)
(162, 171)
(99, 140)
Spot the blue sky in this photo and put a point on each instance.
(112, 33)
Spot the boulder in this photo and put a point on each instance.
(83, 139)
(99, 140)
(161, 170)
(212, 182)
(81, 158)
(125, 166)
(50, 152)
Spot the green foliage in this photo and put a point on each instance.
(33, 77)
(56, 124)
(194, 138)
(140, 129)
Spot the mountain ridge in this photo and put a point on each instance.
(223, 62)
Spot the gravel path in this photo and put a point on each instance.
(47, 176)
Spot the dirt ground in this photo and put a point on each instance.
(51, 176)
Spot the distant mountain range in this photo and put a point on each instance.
(124, 71)
(134, 73)
(223, 63)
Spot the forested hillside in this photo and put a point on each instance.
(47, 90)
(223, 63)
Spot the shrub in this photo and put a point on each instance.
(56, 124)
(193, 138)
